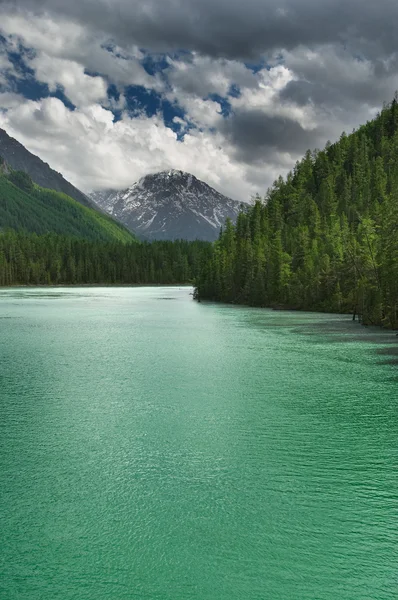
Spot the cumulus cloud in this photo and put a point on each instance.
(201, 113)
(10, 100)
(72, 41)
(94, 151)
(80, 88)
(201, 76)
(252, 85)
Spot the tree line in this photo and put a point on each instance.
(324, 238)
(51, 259)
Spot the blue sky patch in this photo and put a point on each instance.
(142, 100)
(154, 64)
(139, 99)
(25, 83)
(225, 106)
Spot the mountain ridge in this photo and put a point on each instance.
(20, 159)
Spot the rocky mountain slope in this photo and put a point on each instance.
(20, 159)
(169, 205)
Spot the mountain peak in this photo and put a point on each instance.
(170, 205)
(171, 175)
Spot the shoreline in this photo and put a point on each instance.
(282, 308)
(92, 285)
(375, 333)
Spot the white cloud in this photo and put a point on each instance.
(10, 100)
(81, 89)
(67, 40)
(203, 113)
(6, 67)
(265, 97)
(94, 152)
(201, 75)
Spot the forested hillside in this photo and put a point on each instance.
(30, 259)
(325, 238)
(26, 206)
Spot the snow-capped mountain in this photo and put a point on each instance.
(169, 205)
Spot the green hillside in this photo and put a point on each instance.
(325, 238)
(28, 207)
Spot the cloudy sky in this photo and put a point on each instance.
(233, 91)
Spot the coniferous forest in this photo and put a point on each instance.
(325, 238)
(50, 259)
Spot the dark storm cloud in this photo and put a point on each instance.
(332, 77)
(232, 28)
(303, 92)
(258, 136)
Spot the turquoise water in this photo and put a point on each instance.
(156, 448)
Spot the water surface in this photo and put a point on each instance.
(156, 448)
